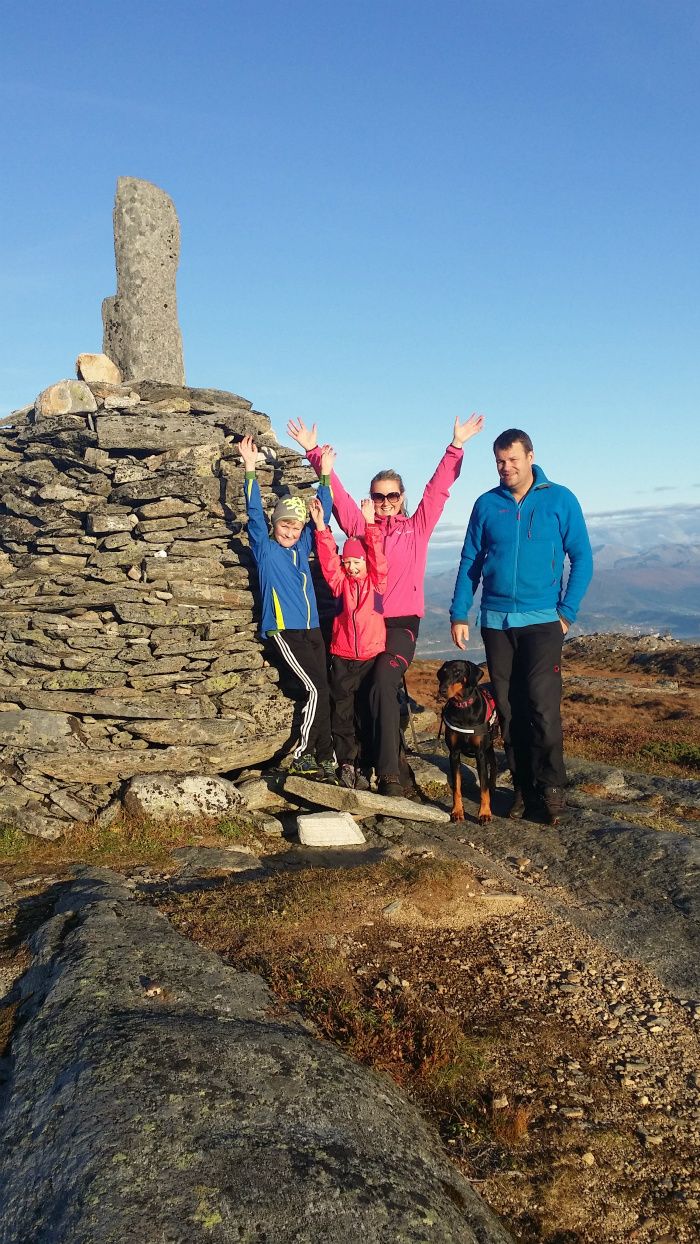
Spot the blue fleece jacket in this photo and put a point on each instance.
(518, 549)
(288, 598)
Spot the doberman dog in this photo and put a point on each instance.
(469, 718)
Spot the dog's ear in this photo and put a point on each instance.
(474, 674)
(479, 673)
(441, 672)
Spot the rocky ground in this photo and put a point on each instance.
(536, 990)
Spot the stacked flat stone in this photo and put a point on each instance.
(128, 633)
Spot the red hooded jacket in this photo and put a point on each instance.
(358, 631)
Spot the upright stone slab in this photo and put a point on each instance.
(141, 330)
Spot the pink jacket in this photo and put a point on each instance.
(359, 632)
(405, 539)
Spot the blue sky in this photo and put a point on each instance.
(391, 212)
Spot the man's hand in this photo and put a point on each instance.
(460, 634)
(470, 427)
(306, 437)
(327, 459)
(249, 452)
(367, 510)
(316, 513)
(564, 624)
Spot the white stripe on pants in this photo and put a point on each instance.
(309, 711)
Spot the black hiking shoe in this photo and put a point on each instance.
(554, 804)
(525, 802)
(390, 786)
(517, 809)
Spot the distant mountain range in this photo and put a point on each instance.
(646, 577)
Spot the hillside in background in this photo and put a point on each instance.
(646, 578)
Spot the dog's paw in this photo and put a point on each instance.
(457, 814)
(484, 818)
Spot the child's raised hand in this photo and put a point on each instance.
(249, 452)
(367, 510)
(327, 459)
(306, 437)
(316, 513)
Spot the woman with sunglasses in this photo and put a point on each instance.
(405, 548)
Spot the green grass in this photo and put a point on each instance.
(127, 841)
(671, 751)
(14, 845)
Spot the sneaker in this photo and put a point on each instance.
(327, 772)
(362, 779)
(305, 765)
(390, 786)
(554, 804)
(347, 776)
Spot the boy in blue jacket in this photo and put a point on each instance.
(289, 615)
(518, 538)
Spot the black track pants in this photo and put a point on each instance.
(389, 669)
(305, 654)
(525, 668)
(349, 710)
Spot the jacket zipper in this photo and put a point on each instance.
(354, 623)
(303, 588)
(517, 554)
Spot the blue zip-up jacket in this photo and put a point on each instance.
(518, 550)
(288, 599)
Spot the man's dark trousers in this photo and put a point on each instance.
(525, 668)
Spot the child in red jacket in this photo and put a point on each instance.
(359, 634)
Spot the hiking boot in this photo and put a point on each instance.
(390, 786)
(347, 776)
(525, 802)
(410, 789)
(554, 804)
(362, 779)
(305, 765)
(517, 808)
(328, 772)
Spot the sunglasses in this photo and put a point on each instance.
(393, 497)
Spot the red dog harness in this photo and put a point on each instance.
(490, 714)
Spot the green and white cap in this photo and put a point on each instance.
(289, 509)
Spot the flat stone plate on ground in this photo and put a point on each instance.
(219, 859)
(329, 829)
(362, 802)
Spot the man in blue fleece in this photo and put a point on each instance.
(518, 538)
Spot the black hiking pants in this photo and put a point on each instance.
(352, 725)
(305, 654)
(389, 669)
(525, 669)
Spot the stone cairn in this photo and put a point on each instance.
(128, 636)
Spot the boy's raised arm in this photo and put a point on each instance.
(258, 533)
